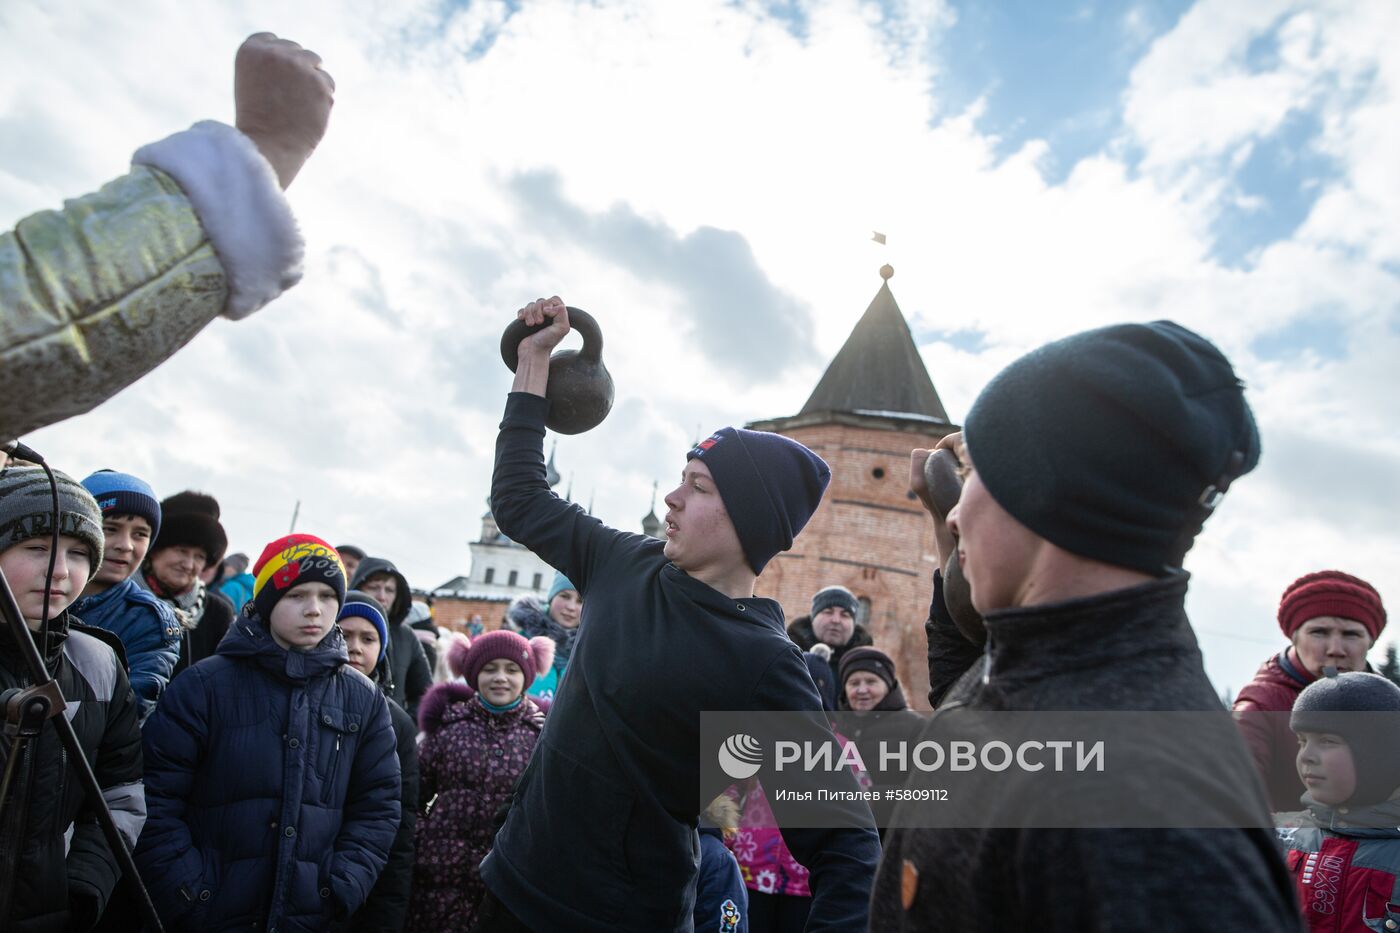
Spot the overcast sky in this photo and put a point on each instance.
(704, 178)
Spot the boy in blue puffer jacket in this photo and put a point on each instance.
(272, 780)
(113, 600)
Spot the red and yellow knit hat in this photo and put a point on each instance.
(292, 561)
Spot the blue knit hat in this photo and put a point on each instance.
(560, 584)
(124, 494)
(360, 605)
(770, 485)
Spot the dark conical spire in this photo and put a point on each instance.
(879, 370)
(651, 525)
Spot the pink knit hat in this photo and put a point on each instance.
(1331, 593)
(466, 657)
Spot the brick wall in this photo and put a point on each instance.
(449, 612)
(870, 536)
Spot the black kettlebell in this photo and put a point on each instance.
(580, 388)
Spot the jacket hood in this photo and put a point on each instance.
(752, 610)
(403, 599)
(248, 637)
(534, 621)
(1378, 821)
(800, 631)
(1285, 671)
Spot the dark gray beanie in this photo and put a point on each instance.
(837, 596)
(1112, 443)
(1364, 709)
(26, 510)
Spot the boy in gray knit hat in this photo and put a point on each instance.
(1343, 851)
(60, 866)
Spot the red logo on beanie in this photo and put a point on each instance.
(284, 577)
(708, 442)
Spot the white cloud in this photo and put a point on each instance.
(371, 392)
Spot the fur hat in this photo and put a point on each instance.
(466, 657)
(191, 518)
(1331, 593)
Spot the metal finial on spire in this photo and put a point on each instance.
(653, 495)
(887, 272)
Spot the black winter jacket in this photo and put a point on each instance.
(800, 631)
(273, 787)
(655, 648)
(204, 615)
(386, 908)
(410, 676)
(1131, 649)
(54, 891)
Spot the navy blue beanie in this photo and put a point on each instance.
(360, 605)
(124, 494)
(1114, 443)
(770, 485)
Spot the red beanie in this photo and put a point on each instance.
(1331, 593)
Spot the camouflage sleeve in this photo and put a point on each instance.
(96, 295)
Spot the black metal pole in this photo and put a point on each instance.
(13, 621)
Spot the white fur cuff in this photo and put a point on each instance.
(241, 206)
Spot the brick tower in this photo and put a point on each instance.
(874, 404)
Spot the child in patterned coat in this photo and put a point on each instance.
(477, 738)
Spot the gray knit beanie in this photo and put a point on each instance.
(837, 596)
(26, 510)
(1364, 709)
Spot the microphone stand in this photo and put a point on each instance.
(25, 711)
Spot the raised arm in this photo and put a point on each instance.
(94, 296)
(524, 507)
(953, 628)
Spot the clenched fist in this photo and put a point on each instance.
(283, 100)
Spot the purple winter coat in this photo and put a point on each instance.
(468, 761)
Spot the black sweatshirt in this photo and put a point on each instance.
(601, 832)
(1130, 649)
